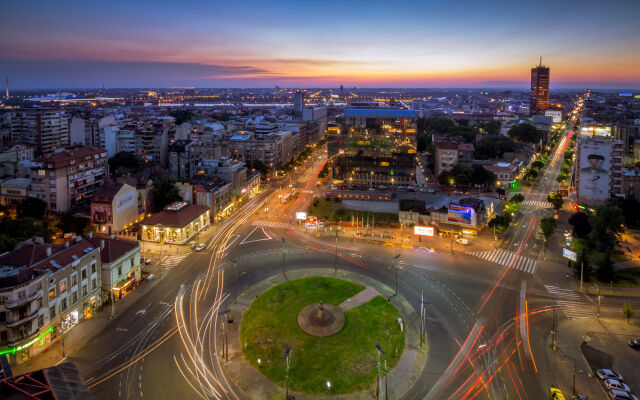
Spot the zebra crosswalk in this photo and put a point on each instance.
(572, 303)
(508, 259)
(273, 224)
(173, 260)
(537, 204)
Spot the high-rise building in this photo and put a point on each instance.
(298, 103)
(539, 88)
(46, 129)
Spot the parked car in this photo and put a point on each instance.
(615, 394)
(634, 344)
(616, 384)
(200, 246)
(609, 374)
(193, 244)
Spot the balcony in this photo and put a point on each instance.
(22, 301)
(22, 319)
(20, 338)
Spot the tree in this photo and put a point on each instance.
(628, 311)
(438, 125)
(606, 227)
(259, 166)
(422, 141)
(580, 223)
(537, 164)
(556, 200)
(480, 176)
(583, 265)
(164, 192)
(19, 229)
(525, 132)
(182, 116)
(492, 127)
(467, 133)
(67, 222)
(123, 159)
(499, 223)
(517, 198)
(605, 271)
(493, 146)
(548, 226)
(510, 209)
(31, 208)
(631, 211)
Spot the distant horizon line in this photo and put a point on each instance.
(495, 88)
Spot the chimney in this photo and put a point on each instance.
(48, 251)
(102, 244)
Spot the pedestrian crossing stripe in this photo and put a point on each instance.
(508, 259)
(571, 303)
(173, 260)
(539, 204)
(273, 224)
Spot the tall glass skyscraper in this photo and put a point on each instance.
(539, 88)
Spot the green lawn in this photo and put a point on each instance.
(346, 359)
(331, 210)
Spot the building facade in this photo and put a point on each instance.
(539, 88)
(176, 224)
(45, 129)
(114, 207)
(70, 177)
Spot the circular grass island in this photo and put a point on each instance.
(347, 358)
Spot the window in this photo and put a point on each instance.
(39, 286)
(52, 294)
(74, 280)
(84, 290)
(52, 312)
(74, 297)
(94, 283)
(84, 273)
(93, 268)
(119, 269)
(22, 294)
(63, 287)
(3, 316)
(40, 321)
(63, 305)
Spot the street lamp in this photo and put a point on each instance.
(598, 292)
(335, 267)
(395, 292)
(287, 355)
(380, 351)
(225, 344)
(284, 251)
(235, 281)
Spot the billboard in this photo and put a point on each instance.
(571, 255)
(594, 171)
(301, 215)
(126, 200)
(555, 115)
(595, 131)
(423, 230)
(459, 214)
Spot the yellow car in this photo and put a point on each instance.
(556, 394)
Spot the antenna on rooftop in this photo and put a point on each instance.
(541, 60)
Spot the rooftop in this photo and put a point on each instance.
(176, 218)
(113, 248)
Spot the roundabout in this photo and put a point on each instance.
(332, 327)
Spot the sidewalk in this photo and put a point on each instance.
(254, 385)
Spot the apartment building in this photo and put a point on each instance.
(45, 129)
(68, 178)
(45, 289)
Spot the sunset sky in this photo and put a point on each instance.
(427, 43)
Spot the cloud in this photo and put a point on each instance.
(85, 74)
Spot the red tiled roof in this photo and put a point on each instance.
(106, 192)
(176, 219)
(35, 255)
(466, 147)
(113, 248)
(28, 254)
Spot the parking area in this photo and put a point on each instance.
(612, 351)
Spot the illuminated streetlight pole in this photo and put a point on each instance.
(225, 343)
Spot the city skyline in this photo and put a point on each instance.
(364, 44)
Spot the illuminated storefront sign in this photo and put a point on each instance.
(423, 230)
